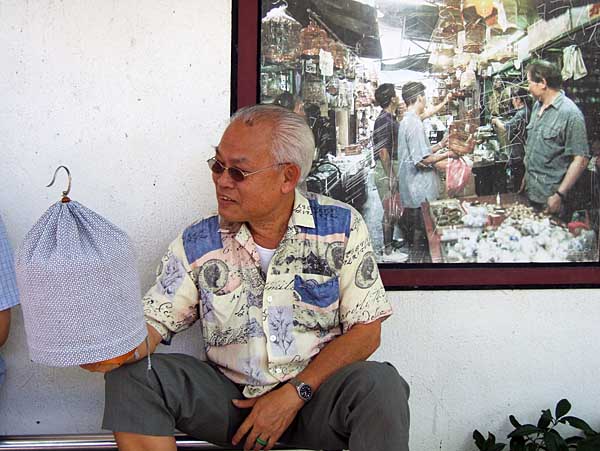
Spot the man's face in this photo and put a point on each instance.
(422, 103)
(536, 88)
(395, 101)
(256, 197)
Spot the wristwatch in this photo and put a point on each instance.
(304, 390)
(561, 195)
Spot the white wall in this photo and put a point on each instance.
(131, 97)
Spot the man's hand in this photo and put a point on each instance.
(108, 365)
(271, 415)
(134, 355)
(553, 202)
(100, 367)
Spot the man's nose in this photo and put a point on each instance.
(223, 179)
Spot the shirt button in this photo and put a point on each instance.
(278, 370)
(270, 298)
(273, 338)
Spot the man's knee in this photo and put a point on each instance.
(379, 379)
(120, 377)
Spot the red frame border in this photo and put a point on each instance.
(246, 15)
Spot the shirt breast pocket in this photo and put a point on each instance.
(225, 318)
(317, 302)
(551, 133)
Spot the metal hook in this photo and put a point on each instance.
(65, 194)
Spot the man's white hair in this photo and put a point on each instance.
(292, 142)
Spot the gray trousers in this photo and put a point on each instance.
(363, 406)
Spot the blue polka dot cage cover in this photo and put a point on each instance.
(79, 286)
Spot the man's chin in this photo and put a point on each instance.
(229, 216)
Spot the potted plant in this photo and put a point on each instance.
(544, 435)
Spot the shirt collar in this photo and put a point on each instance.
(302, 213)
(301, 216)
(559, 99)
(557, 102)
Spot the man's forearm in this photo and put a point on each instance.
(357, 344)
(386, 162)
(154, 339)
(435, 158)
(574, 171)
(4, 325)
(434, 110)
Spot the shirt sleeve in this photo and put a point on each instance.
(576, 142)
(9, 296)
(362, 295)
(171, 305)
(382, 136)
(514, 121)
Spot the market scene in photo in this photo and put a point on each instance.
(464, 131)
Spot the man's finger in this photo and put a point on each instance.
(259, 446)
(98, 367)
(244, 403)
(271, 443)
(251, 441)
(242, 430)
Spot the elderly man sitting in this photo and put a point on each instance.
(287, 291)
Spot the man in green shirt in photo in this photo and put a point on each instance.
(557, 150)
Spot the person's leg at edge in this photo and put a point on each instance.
(143, 408)
(128, 441)
(363, 407)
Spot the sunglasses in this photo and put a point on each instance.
(236, 174)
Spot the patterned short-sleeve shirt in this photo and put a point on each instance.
(263, 329)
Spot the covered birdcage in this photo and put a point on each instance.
(474, 37)
(280, 37)
(79, 285)
(312, 39)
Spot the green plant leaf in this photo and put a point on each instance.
(573, 440)
(554, 442)
(526, 429)
(578, 423)
(589, 444)
(490, 443)
(517, 444)
(545, 419)
(479, 440)
(514, 421)
(531, 446)
(562, 408)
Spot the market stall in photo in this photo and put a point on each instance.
(463, 130)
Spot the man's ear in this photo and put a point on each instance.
(291, 177)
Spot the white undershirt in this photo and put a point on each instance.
(265, 256)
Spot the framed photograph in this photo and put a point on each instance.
(465, 132)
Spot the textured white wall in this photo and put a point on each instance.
(130, 95)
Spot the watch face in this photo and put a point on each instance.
(305, 392)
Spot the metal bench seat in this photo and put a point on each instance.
(92, 442)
